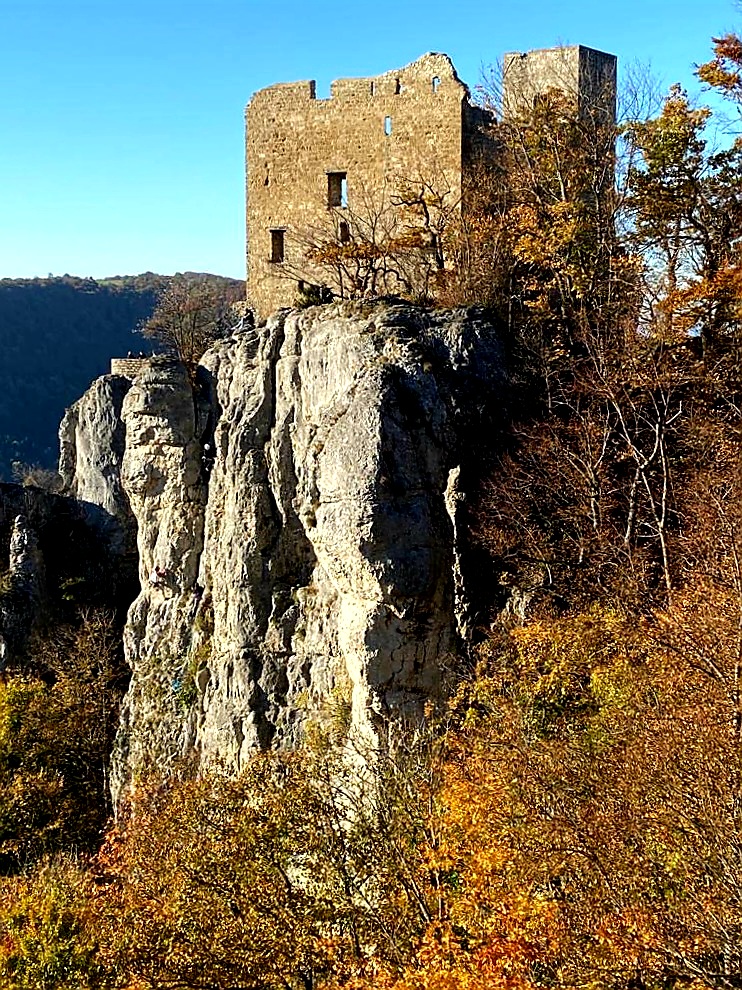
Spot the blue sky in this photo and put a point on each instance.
(121, 123)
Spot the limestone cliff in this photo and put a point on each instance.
(92, 438)
(295, 513)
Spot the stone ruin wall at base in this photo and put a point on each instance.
(129, 367)
(373, 135)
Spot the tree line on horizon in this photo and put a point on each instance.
(57, 334)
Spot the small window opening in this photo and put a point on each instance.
(267, 179)
(277, 246)
(337, 189)
(387, 126)
(436, 83)
(343, 232)
(397, 87)
(372, 87)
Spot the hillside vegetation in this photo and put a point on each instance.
(571, 814)
(57, 334)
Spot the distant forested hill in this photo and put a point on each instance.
(56, 336)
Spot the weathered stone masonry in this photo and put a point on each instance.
(586, 75)
(129, 367)
(308, 160)
(369, 131)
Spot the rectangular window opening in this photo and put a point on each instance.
(397, 87)
(387, 126)
(277, 246)
(337, 189)
(343, 232)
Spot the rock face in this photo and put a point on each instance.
(55, 557)
(23, 590)
(296, 528)
(92, 438)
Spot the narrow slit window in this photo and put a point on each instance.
(436, 83)
(397, 87)
(337, 189)
(343, 232)
(387, 126)
(278, 246)
(372, 88)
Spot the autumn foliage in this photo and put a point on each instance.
(571, 818)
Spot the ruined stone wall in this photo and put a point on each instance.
(408, 127)
(378, 131)
(128, 367)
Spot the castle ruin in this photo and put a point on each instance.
(383, 159)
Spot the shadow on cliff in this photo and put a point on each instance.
(80, 569)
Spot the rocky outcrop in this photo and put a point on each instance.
(296, 517)
(162, 473)
(22, 592)
(92, 438)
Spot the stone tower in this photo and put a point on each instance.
(319, 170)
(583, 74)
